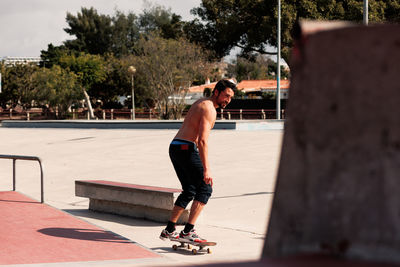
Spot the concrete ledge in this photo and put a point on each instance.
(143, 124)
(259, 125)
(139, 201)
(136, 211)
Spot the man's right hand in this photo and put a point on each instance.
(208, 179)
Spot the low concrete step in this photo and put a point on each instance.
(139, 201)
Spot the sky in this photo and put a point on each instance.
(28, 26)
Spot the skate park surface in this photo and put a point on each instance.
(244, 164)
(336, 187)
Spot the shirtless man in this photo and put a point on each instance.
(189, 155)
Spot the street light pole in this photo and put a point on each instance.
(278, 63)
(132, 71)
(365, 18)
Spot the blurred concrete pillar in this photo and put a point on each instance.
(338, 182)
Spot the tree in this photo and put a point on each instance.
(245, 69)
(57, 89)
(52, 55)
(125, 34)
(92, 31)
(392, 11)
(102, 34)
(158, 18)
(251, 25)
(117, 82)
(97, 34)
(17, 85)
(169, 67)
(259, 67)
(224, 24)
(272, 65)
(89, 70)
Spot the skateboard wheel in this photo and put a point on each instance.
(175, 247)
(194, 251)
(209, 250)
(189, 246)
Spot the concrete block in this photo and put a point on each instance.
(338, 183)
(130, 195)
(135, 211)
(148, 202)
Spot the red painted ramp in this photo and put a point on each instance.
(31, 232)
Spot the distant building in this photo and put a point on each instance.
(196, 92)
(21, 60)
(252, 89)
(255, 88)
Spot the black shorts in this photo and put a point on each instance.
(189, 169)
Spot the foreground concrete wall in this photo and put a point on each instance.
(338, 186)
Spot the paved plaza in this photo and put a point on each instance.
(243, 164)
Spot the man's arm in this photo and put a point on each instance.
(205, 125)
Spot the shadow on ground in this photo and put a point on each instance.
(84, 234)
(130, 221)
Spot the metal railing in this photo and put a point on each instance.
(15, 158)
(142, 114)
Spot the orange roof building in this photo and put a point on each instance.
(200, 88)
(248, 86)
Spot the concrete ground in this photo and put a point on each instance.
(244, 164)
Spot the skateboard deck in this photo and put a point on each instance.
(188, 244)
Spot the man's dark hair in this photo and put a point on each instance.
(222, 85)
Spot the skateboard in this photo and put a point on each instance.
(188, 244)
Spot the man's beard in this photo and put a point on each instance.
(222, 104)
